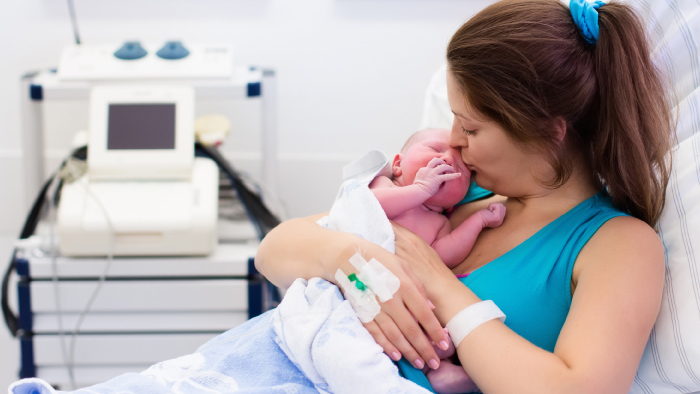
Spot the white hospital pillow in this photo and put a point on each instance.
(436, 109)
(671, 360)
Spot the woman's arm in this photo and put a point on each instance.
(300, 248)
(619, 281)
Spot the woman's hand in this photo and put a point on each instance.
(422, 259)
(300, 248)
(398, 328)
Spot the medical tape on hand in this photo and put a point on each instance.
(472, 317)
(376, 276)
(363, 302)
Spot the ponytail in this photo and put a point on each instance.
(634, 121)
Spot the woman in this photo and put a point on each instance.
(562, 114)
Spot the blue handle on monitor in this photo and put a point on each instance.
(131, 50)
(173, 50)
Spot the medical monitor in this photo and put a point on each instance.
(141, 126)
(141, 132)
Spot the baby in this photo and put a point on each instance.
(429, 178)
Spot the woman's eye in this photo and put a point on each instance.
(467, 132)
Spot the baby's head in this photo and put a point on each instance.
(422, 147)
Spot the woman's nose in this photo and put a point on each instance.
(457, 137)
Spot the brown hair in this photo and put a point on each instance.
(524, 65)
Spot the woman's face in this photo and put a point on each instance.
(497, 163)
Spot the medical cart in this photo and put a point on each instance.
(146, 310)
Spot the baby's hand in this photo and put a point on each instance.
(493, 215)
(430, 177)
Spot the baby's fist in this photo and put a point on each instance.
(493, 215)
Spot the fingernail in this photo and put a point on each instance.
(396, 356)
(444, 345)
(434, 363)
(431, 305)
(418, 363)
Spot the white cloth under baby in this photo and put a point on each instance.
(355, 209)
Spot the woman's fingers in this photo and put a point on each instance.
(423, 314)
(392, 351)
(395, 328)
(405, 334)
(409, 244)
(414, 278)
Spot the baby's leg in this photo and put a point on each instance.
(450, 378)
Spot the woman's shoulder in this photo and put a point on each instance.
(621, 245)
(626, 232)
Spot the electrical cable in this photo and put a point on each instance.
(69, 353)
(258, 213)
(28, 229)
(57, 296)
(74, 21)
(266, 196)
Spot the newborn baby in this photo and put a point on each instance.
(429, 178)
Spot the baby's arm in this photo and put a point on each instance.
(454, 246)
(396, 200)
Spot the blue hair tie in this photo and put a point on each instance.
(586, 18)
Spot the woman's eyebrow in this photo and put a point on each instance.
(457, 114)
(468, 119)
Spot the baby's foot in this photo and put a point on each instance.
(493, 215)
(450, 378)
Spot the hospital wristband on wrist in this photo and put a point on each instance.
(472, 317)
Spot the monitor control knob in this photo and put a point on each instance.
(173, 50)
(131, 50)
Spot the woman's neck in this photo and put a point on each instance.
(576, 189)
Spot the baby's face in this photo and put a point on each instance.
(428, 145)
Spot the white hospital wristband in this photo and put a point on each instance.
(472, 317)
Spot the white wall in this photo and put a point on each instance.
(351, 75)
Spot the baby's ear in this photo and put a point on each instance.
(396, 165)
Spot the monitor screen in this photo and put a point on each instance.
(141, 126)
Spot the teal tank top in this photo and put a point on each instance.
(474, 193)
(531, 283)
